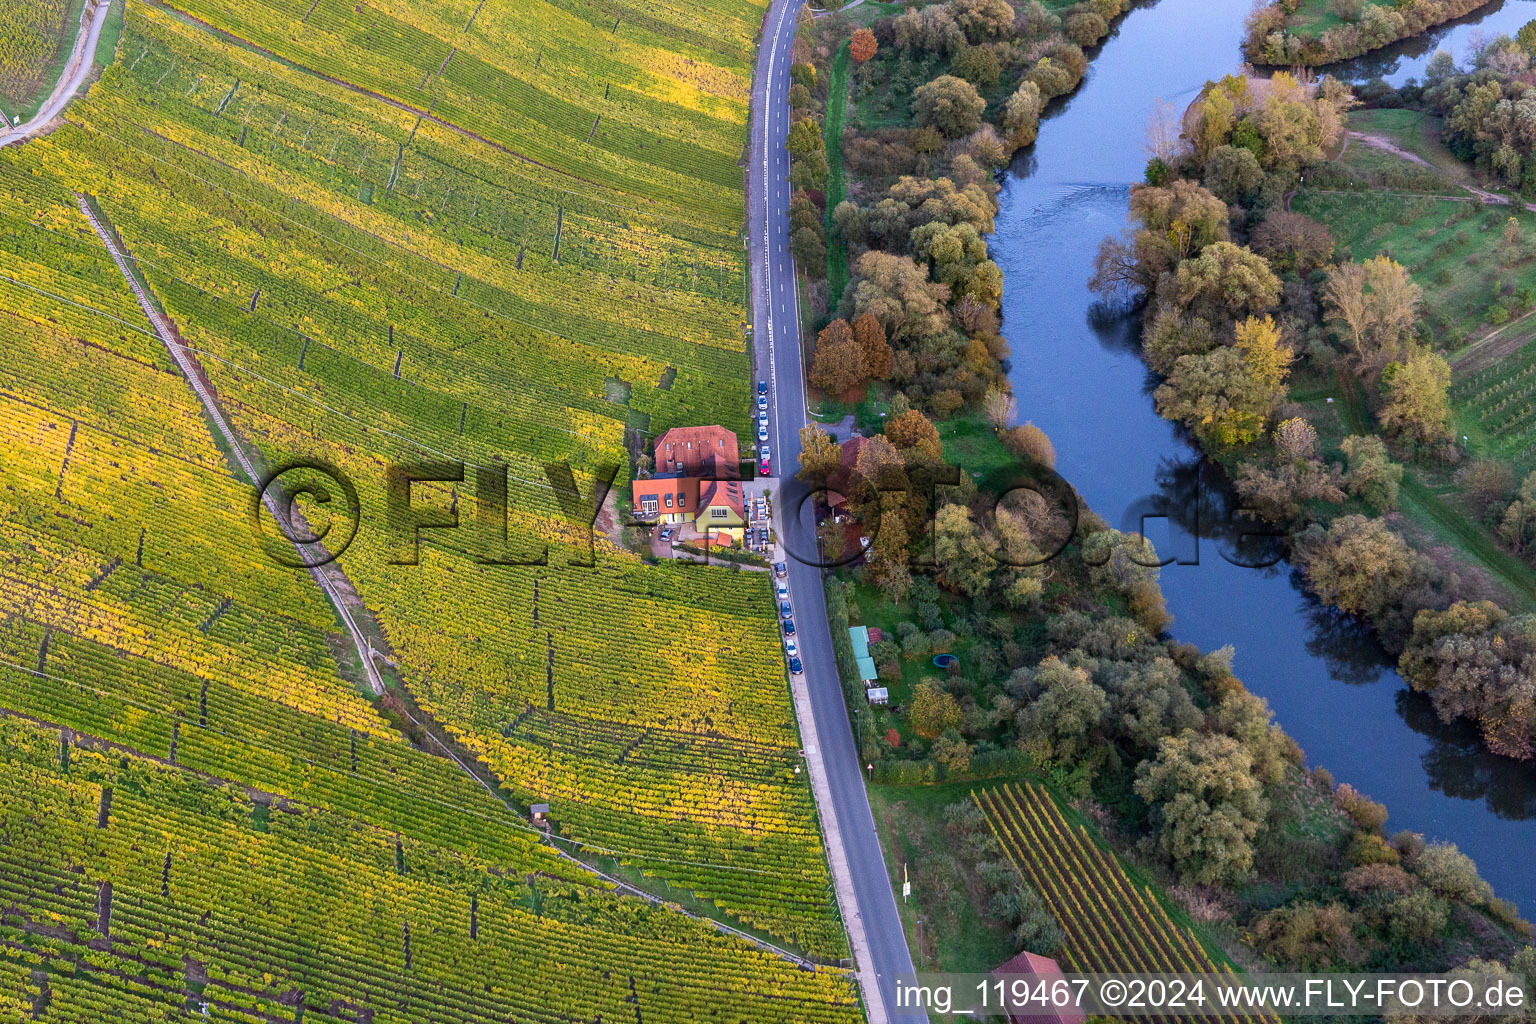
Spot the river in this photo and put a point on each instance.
(1077, 374)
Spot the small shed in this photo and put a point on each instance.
(1028, 964)
(539, 814)
(860, 637)
(878, 695)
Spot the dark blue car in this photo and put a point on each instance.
(789, 627)
(795, 666)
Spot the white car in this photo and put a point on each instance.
(790, 648)
(762, 431)
(783, 589)
(762, 402)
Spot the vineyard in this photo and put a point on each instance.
(1499, 400)
(30, 32)
(138, 891)
(503, 237)
(1110, 925)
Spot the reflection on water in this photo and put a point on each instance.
(1078, 375)
(1458, 765)
(1406, 59)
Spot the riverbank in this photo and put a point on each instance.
(1104, 784)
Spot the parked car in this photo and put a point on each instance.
(780, 570)
(785, 611)
(762, 431)
(791, 649)
(795, 666)
(783, 590)
(666, 534)
(762, 416)
(763, 463)
(762, 401)
(762, 387)
(789, 627)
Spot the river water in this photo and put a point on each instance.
(1077, 374)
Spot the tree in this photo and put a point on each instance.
(1030, 442)
(1293, 241)
(1417, 405)
(1233, 174)
(1170, 334)
(863, 46)
(1518, 526)
(897, 292)
(933, 710)
(912, 431)
(1207, 805)
(1021, 115)
(820, 456)
(1226, 395)
(949, 104)
(1295, 439)
(1226, 281)
(1372, 476)
(977, 65)
(1374, 304)
(838, 367)
(982, 20)
(1357, 564)
(1066, 711)
(1477, 662)
(870, 337)
(1452, 874)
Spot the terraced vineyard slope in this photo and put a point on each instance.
(503, 236)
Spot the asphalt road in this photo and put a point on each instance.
(75, 73)
(776, 329)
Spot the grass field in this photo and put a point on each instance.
(400, 234)
(1477, 289)
(837, 186)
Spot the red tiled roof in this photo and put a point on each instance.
(1031, 963)
(698, 451)
(683, 491)
(722, 492)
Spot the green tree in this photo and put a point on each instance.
(1066, 711)
(1226, 281)
(1372, 475)
(1416, 391)
(1207, 805)
(933, 710)
(897, 292)
(949, 104)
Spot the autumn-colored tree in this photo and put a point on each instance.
(1475, 662)
(1373, 304)
(1295, 439)
(899, 295)
(863, 46)
(1226, 395)
(933, 710)
(1358, 564)
(870, 337)
(1226, 282)
(912, 431)
(1293, 241)
(1028, 441)
(820, 456)
(838, 367)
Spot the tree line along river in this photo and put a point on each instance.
(1077, 374)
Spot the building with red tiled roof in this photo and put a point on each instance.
(666, 497)
(1034, 965)
(698, 452)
